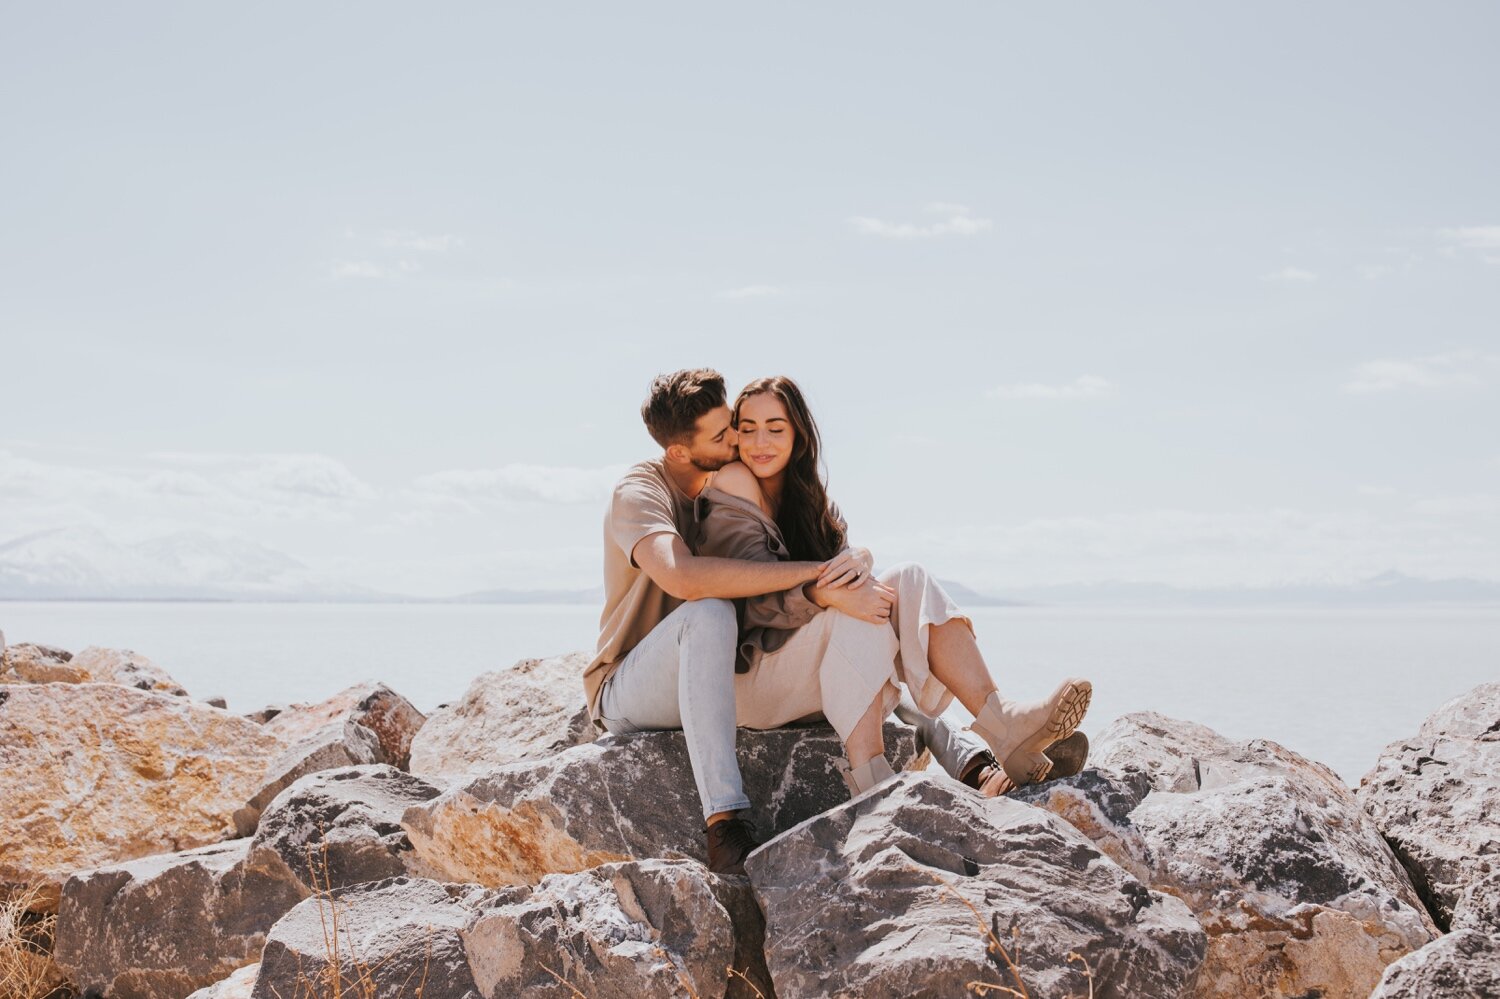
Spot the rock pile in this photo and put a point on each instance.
(494, 850)
(1290, 879)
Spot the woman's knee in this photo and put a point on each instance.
(914, 571)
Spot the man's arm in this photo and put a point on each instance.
(665, 557)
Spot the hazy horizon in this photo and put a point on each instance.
(1197, 296)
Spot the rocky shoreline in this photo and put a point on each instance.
(176, 848)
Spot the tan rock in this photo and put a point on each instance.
(621, 798)
(533, 709)
(127, 668)
(97, 773)
(31, 663)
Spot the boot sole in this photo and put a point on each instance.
(1028, 764)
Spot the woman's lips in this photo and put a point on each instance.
(762, 458)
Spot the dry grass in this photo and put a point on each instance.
(1001, 958)
(345, 973)
(26, 967)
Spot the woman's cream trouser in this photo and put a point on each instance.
(836, 665)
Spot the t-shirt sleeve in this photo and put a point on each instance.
(639, 508)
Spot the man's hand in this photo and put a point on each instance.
(871, 603)
(850, 568)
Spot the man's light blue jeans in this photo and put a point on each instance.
(682, 675)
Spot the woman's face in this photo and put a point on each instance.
(766, 435)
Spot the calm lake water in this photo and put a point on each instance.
(1334, 685)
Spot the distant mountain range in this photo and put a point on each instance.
(82, 563)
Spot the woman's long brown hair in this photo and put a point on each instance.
(806, 523)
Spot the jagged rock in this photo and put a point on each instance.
(621, 798)
(162, 926)
(1292, 881)
(636, 930)
(1478, 908)
(128, 669)
(236, 986)
(340, 827)
(872, 898)
(216, 702)
(399, 937)
(367, 723)
(1465, 964)
(96, 774)
(33, 663)
(535, 708)
(1436, 797)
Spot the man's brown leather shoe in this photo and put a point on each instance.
(729, 843)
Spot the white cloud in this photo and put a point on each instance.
(1453, 369)
(1082, 387)
(1290, 275)
(959, 222)
(306, 475)
(407, 240)
(163, 492)
(366, 269)
(1458, 506)
(753, 291)
(526, 483)
(1482, 239)
(1477, 237)
(1373, 272)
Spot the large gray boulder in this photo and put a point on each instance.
(535, 708)
(621, 798)
(162, 926)
(1436, 797)
(653, 929)
(1464, 964)
(236, 986)
(1298, 892)
(399, 937)
(367, 723)
(901, 891)
(340, 827)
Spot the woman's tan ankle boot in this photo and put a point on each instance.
(1017, 733)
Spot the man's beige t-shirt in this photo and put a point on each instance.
(645, 502)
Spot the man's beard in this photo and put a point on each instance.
(710, 466)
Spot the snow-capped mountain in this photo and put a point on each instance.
(84, 563)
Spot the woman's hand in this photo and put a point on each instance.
(849, 568)
(871, 603)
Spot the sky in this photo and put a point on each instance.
(1168, 292)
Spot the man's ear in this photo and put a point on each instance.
(678, 453)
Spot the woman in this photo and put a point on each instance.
(899, 627)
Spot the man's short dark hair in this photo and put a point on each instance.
(676, 401)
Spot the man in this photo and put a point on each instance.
(669, 631)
